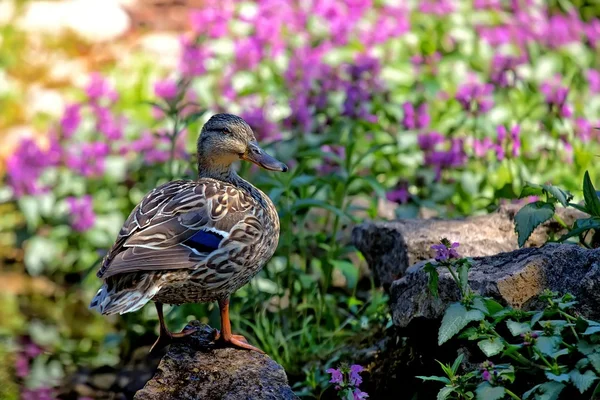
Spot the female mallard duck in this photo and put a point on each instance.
(195, 241)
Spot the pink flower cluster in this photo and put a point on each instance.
(81, 213)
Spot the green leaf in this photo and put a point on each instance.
(579, 207)
(480, 304)
(595, 361)
(517, 328)
(536, 317)
(557, 378)
(547, 344)
(530, 217)
(582, 381)
(456, 363)
(444, 393)
(549, 391)
(531, 189)
(491, 347)
(485, 391)
(302, 180)
(562, 196)
(376, 186)
(434, 278)
(580, 227)
(582, 364)
(591, 330)
(314, 203)
(456, 318)
(592, 203)
(470, 333)
(435, 378)
(511, 349)
(493, 306)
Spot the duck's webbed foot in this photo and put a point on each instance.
(226, 337)
(166, 337)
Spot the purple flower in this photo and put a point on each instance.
(516, 140)
(486, 375)
(27, 163)
(88, 158)
(355, 378)
(399, 194)
(155, 148)
(192, 58)
(99, 89)
(494, 5)
(436, 7)
(166, 89)
(42, 393)
(22, 366)
(592, 32)
(428, 141)
(454, 157)
(415, 119)
(392, 22)
(583, 129)
(336, 375)
(248, 53)
(264, 129)
(107, 123)
(503, 70)
(562, 29)
(556, 97)
(359, 395)
(212, 20)
(70, 120)
(475, 97)
(593, 77)
(32, 350)
(481, 147)
(81, 213)
(444, 252)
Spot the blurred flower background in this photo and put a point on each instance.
(382, 109)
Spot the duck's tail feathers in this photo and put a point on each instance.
(109, 301)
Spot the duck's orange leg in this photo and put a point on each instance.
(225, 336)
(165, 337)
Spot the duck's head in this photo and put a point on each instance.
(226, 138)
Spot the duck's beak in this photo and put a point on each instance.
(259, 157)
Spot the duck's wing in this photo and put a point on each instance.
(181, 224)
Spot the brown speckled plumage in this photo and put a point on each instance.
(195, 241)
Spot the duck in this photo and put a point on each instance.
(195, 241)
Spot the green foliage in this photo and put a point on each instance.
(547, 350)
(534, 214)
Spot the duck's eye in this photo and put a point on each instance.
(227, 131)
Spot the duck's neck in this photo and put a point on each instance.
(226, 173)
(221, 172)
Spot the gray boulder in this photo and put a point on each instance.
(195, 369)
(391, 247)
(515, 278)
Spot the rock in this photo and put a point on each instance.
(196, 369)
(515, 279)
(390, 247)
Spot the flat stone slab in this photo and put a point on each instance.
(515, 278)
(195, 368)
(391, 247)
